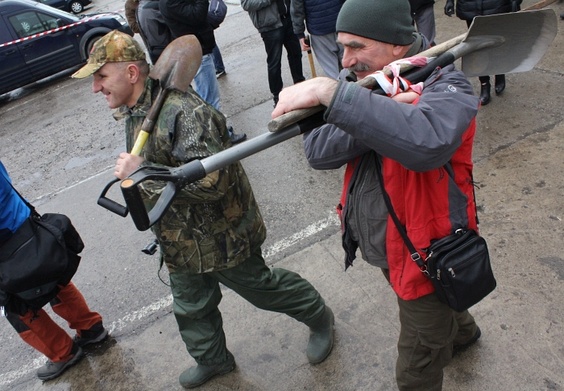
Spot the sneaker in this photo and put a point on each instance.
(95, 334)
(198, 375)
(457, 349)
(219, 74)
(51, 369)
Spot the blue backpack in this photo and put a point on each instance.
(217, 12)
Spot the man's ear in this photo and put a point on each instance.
(399, 50)
(133, 73)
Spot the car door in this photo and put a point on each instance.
(13, 70)
(46, 51)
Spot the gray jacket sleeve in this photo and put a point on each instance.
(255, 5)
(297, 12)
(420, 136)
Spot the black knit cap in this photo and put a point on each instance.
(382, 20)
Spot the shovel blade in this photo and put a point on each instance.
(520, 39)
(178, 63)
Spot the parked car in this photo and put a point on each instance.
(37, 41)
(74, 6)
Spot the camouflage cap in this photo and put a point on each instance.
(112, 47)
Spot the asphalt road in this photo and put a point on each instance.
(59, 143)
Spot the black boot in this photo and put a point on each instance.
(499, 84)
(485, 93)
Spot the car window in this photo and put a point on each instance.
(29, 23)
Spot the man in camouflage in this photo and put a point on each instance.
(213, 231)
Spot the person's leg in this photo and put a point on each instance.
(71, 306)
(425, 22)
(273, 289)
(43, 334)
(273, 41)
(294, 50)
(485, 90)
(328, 53)
(428, 328)
(205, 82)
(218, 62)
(195, 301)
(283, 291)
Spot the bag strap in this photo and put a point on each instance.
(415, 256)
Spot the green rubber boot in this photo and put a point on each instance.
(321, 337)
(198, 375)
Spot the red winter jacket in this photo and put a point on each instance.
(418, 144)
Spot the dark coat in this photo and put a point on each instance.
(468, 9)
(186, 17)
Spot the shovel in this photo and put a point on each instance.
(310, 58)
(504, 43)
(175, 69)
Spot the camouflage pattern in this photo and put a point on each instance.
(214, 223)
(112, 47)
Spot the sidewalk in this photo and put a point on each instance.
(522, 343)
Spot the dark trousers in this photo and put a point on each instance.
(429, 329)
(274, 40)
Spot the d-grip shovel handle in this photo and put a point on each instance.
(111, 205)
(176, 178)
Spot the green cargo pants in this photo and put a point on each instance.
(197, 296)
(428, 330)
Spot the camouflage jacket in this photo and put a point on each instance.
(214, 223)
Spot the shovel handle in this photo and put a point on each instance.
(111, 205)
(140, 142)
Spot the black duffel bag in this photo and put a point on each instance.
(39, 257)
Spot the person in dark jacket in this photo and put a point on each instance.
(424, 17)
(419, 141)
(467, 10)
(273, 21)
(320, 17)
(146, 16)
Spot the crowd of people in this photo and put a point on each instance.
(213, 231)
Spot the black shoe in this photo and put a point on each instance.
(457, 349)
(236, 138)
(220, 74)
(275, 99)
(485, 94)
(499, 84)
(95, 334)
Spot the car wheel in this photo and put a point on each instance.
(76, 7)
(90, 44)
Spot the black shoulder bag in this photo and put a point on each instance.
(458, 265)
(40, 256)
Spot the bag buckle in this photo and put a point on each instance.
(416, 257)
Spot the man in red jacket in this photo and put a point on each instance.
(421, 142)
